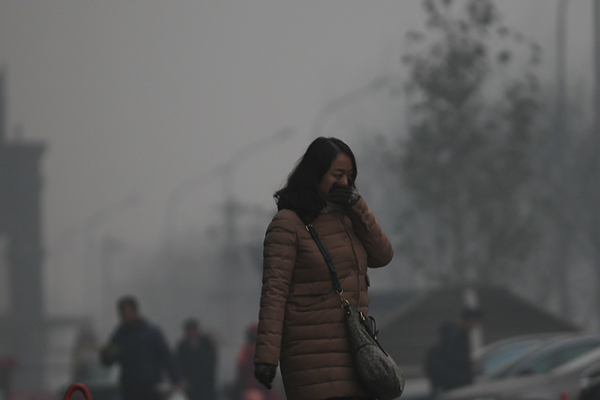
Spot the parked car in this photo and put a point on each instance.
(497, 356)
(490, 359)
(551, 355)
(560, 382)
(589, 384)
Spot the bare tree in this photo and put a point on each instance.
(468, 154)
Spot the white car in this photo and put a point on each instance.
(561, 382)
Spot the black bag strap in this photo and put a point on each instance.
(326, 256)
(329, 261)
(368, 322)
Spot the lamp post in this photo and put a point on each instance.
(559, 154)
(596, 28)
(85, 230)
(339, 103)
(92, 223)
(231, 207)
(226, 172)
(561, 122)
(175, 197)
(232, 292)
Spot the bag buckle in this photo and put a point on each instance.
(345, 303)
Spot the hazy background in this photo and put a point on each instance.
(138, 98)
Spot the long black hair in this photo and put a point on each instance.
(301, 192)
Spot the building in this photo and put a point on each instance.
(21, 253)
(412, 328)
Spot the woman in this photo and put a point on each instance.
(301, 321)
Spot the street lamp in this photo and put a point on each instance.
(339, 103)
(225, 171)
(228, 177)
(597, 69)
(232, 302)
(177, 194)
(92, 223)
(561, 95)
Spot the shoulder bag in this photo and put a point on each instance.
(375, 369)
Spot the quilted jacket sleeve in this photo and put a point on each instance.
(376, 243)
(279, 260)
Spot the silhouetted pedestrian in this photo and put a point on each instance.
(448, 364)
(142, 352)
(197, 359)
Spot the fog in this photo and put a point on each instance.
(156, 116)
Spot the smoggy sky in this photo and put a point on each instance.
(136, 97)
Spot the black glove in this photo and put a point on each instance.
(265, 373)
(343, 195)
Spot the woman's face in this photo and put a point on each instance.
(340, 171)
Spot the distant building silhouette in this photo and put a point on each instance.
(22, 329)
(409, 331)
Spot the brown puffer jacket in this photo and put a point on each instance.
(301, 321)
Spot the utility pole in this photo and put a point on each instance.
(231, 207)
(596, 133)
(23, 329)
(3, 117)
(596, 111)
(557, 168)
(561, 17)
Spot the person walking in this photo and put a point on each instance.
(142, 352)
(301, 324)
(448, 364)
(197, 360)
